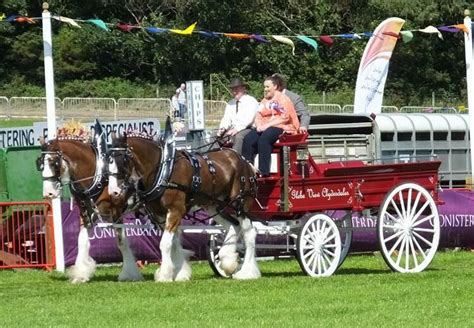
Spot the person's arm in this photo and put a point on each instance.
(300, 109)
(303, 115)
(293, 122)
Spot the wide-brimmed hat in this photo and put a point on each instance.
(236, 82)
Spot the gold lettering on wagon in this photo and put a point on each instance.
(325, 193)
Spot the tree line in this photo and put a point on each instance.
(90, 62)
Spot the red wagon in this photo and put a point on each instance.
(301, 195)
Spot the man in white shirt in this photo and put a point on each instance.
(239, 114)
(181, 95)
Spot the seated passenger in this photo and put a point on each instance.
(239, 114)
(300, 108)
(276, 115)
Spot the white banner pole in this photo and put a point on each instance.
(51, 119)
(470, 83)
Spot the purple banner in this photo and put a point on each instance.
(456, 218)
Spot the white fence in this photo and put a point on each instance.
(214, 111)
(26, 107)
(324, 108)
(419, 109)
(4, 105)
(128, 108)
(384, 109)
(81, 108)
(131, 108)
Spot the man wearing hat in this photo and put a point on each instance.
(239, 114)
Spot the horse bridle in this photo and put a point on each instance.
(127, 156)
(57, 155)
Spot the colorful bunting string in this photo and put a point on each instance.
(311, 40)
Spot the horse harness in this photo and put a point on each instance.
(87, 197)
(165, 168)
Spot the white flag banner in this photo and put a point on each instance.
(373, 67)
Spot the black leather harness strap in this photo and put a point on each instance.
(196, 179)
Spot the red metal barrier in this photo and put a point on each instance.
(26, 235)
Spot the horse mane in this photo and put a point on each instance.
(75, 131)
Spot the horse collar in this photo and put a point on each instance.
(165, 169)
(99, 177)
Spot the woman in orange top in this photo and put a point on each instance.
(276, 115)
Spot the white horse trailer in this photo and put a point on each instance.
(446, 136)
(396, 137)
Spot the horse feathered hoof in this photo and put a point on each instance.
(160, 276)
(184, 273)
(229, 262)
(127, 276)
(82, 271)
(79, 280)
(247, 273)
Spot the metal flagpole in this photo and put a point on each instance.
(51, 119)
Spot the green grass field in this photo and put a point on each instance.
(4, 123)
(363, 292)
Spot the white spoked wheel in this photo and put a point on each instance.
(215, 244)
(319, 246)
(408, 228)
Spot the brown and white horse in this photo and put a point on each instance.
(75, 162)
(169, 184)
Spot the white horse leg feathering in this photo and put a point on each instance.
(249, 268)
(180, 256)
(84, 266)
(130, 271)
(166, 270)
(228, 256)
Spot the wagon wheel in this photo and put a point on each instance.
(319, 246)
(345, 226)
(215, 244)
(408, 228)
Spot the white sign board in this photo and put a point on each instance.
(195, 104)
(28, 136)
(17, 137)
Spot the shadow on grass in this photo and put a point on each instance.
(352, 271)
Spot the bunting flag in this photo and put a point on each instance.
(462, 27)
(99, 23)
(285, 40)
(11, 18)
(239, 36)
(431, 30)
(310, 40)
(67, 20)
(155, 29)
(259, 38)
(449, 29)
(407, 36)
(22, 19)
(125, 27)
(327, 40)
(186, 31)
